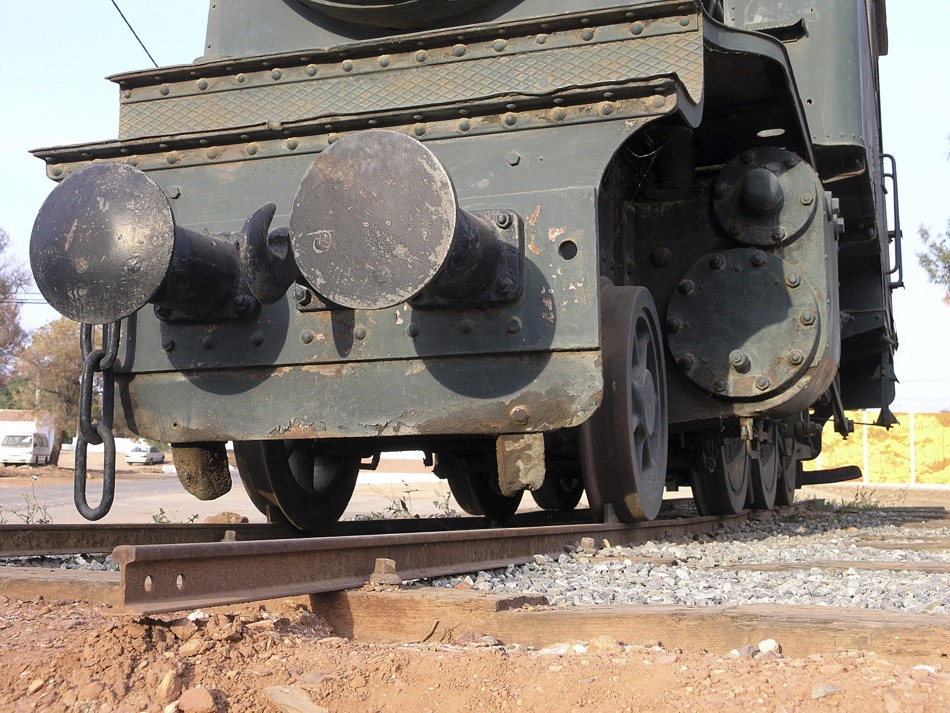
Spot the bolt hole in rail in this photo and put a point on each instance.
(594, 247)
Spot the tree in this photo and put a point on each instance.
(50, 368)
(13, 278)
(935, 259)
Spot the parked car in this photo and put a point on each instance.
(25, 449)
(146, 454)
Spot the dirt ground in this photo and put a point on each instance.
(68, 656)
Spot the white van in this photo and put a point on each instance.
(25, 449)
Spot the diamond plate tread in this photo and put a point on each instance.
(526, 74)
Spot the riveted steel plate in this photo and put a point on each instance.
(743, 324)
(766, 197)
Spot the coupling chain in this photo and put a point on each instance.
(96, 361)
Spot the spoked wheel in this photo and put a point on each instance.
(472, 478)
(561, 490)
(765, 473)
(309, 488)
(720, 477)
(624, 444)
(788, 470)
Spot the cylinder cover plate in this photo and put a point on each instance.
(743, 324)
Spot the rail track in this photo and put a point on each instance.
(173, 567)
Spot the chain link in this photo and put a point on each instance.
(96, 360)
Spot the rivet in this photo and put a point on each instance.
(778, 233)
(796, 357)
(208, 343)
(459, 50)
(717, 262)
(163, 312)
(466, 326)
(503, 220)
(168, 345)
(513, 158)
(276, 74)
(465, 125)
(719, 385)
(422, 56)
(807, 318)
(333, 138)
(793, 280)
(381, 275)
(607, 108)
(762, 383)
(212, 153)
(684, 22)
(292, 144)
(661, 257)
(735, 229)
(360, 333)
(514, 325)
(686, 287)
(559, 114)
(511, 119)
(636, 28)
(311, 70)
(500, 45)
(790, 162)
(306, 337)
(257, 339)
(253, 148)
(241, 78)
(758, 259)
(163, 90)
(419, 129)
(541, 39)
(347, 65)
(56, 170)
(413, 330)
(588, 35)
(519, 414)
(385, 60)
(202, 84)
(686, 362)
(133, 161)
(659, 101)
(171, 158)
(127, 94)
(808, 198)
(674, 325)
(242, 303)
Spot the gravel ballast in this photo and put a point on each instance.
(702, 570)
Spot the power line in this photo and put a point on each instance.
(132, 30)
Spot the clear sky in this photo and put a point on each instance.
(55, 54)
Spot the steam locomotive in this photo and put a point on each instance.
(561, 246)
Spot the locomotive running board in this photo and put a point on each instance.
(830, 475)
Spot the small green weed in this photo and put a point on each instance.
(34, 512)
(400, 506)
(164, 518)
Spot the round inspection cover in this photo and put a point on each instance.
(396, 14)
(766, 197)
(743, 324)
(373, 220)
(102, 243)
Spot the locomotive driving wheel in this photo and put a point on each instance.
(624, 444)
(720, 476)
(764, 476)
(471, 476)
(309, 488)
(788, 471)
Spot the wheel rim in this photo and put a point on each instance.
(310, 489)
(469, 476)
(624, 444)
(720, 477)
(765, 473)
(788, 472)
(561, 490)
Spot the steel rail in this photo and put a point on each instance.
(162, 578)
